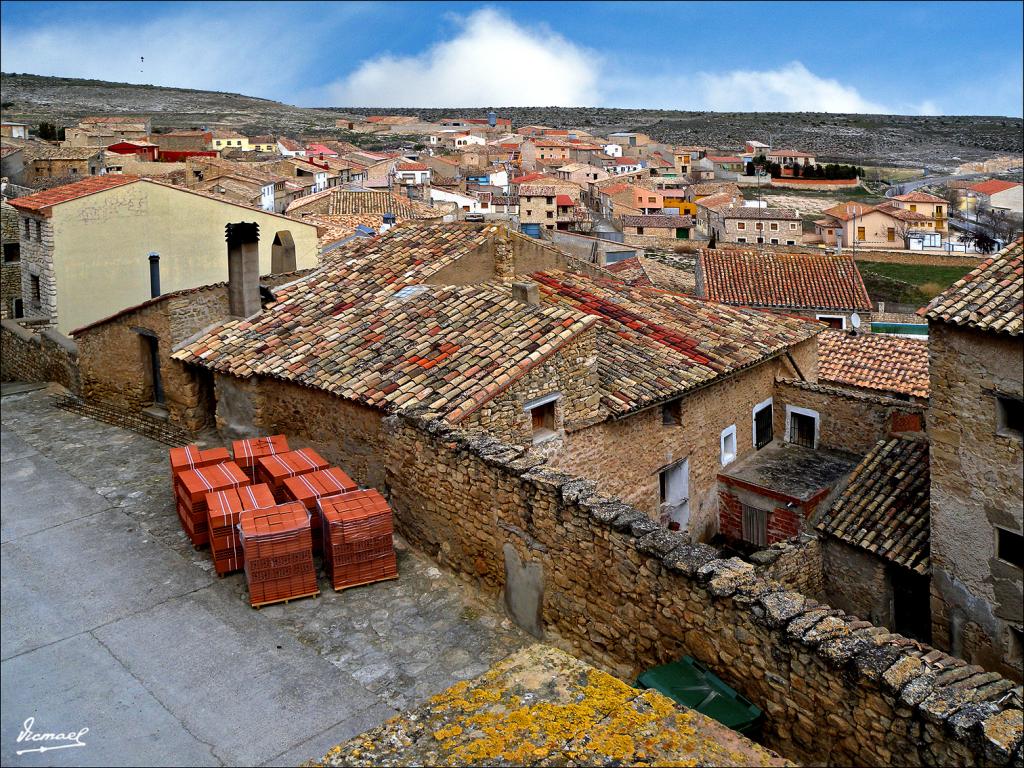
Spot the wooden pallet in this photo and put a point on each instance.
(285, 600)
(364, 583)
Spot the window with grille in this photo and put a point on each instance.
(802, 430)
(763, 427)
(755, 525)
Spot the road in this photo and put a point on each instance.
(910, 186)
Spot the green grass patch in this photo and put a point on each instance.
(928, 281)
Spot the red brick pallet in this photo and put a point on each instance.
(310, 487)
(191, 457)
(248, 452)
(192, 490)
(224, 507)
(273, 470)
(358, 544)
(278, 550)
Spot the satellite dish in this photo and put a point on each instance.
(855, 320)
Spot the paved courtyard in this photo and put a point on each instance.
(112, 622)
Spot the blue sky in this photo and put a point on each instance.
(905, 57)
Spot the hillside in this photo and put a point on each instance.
(935, 142)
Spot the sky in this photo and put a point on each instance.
(914, 58)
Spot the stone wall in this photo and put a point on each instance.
(37, 356)
(920, 258)
(856, 582)
(976, 486)
(10, 287)
(795, 564)
(849, 420)
(613, 587)
(583, 246)
(665, 241)
(37, 261)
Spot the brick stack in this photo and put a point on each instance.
(311, 487)
(358, 548)
(191, 457)
(222, 522)
(274, 470)
(193, 487)
(278, 552)
(249, 452)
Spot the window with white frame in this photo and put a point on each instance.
(728, 445)
(833, 321)
(762, 426)
(802, 426)
(543, 416)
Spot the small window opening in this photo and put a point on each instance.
(1010, 547)
(1009, 416)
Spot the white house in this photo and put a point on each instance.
(498, 179)
(290, 148)
(612, 150)
(467, 139)
(412, 173)
(14, 130)
(467, 203)
(624, 165)
(267, 197)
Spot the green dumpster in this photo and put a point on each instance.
(690, 683)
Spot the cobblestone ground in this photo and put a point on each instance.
(401, 640)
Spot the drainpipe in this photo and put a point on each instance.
(154, 274)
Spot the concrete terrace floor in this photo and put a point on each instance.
(111, 621)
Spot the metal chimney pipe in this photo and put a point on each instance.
(154, 274)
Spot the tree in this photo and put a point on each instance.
(47, 131)
(982, 243)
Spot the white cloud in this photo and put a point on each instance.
(492, 61)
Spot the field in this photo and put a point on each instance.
(907, 283)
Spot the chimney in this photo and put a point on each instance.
(243, 268)
(527, 293)
(154, 274)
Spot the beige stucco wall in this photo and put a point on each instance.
(101, 243)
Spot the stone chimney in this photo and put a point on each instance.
(526, 292)
(504, 255)
(243, 268)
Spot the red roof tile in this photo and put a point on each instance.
(918, 197)
(874, 361)
(564, 200)
(992, 186)
(781, 280)
(41, 202)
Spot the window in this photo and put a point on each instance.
(17, 308)
(73, 171)
(34, 292)
(801, 426)
(728, 445)
(755, 525)
(542, 417)
(741, 225)
(674, 489)
(671, 413)
(791, 242)
(913, 207)
(551, 215)
(890, 234)
(1009, 416)
(651, 199)
(760, 239)
(639, 230)
(938, 211)
(860, 233)
(27, 236)
(12, 252)
(775, 241)
(741, 239)
(39, 231)
(549, 200)
(762, 426)
(759, 226)
(792, 225)
(774, 226)
(833, 321)
(1010, 547)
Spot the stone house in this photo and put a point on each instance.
(10, 267)
(666, 226)
(75, 239)
(183, 141)
(548, 206)
(12, 164)
(975, 424)
(708, 207)
(747, 224)
(14, 130)
(581, 173)
(125, 127)
(823, 286)
(46, 163)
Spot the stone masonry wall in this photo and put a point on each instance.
(37, 260)
(795, 564)
(625, 457)
(849, 420)
(613, 587)
(10, 286)
(616, 589)
(572, 370)
(37, 356)
(976, 485)
(856, 582)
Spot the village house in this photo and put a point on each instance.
(789, 157)
(244, 183)
(224, 140)
(932, 206)
(748, 224)
(14, 130)
(823, 286)
(663, 225)
(74, 237)
(267, 144)
(103, 130)
(581, 174)
(875, 363)
(543, 151)
(546, 206)
(885, 225)
(975, 426)
(11, 304)
(621, 165)
(678, 200)
(290, 147)
(726, 167)
(46, 164)
(12, 164)
(999, 195)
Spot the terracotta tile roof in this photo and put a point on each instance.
(657, 220)
(713, 188)
(116, 120)
(290, 145)
(617, 188)
(41, 202)
(885, 508)
(918, 197)
(990, 298)
(902, 214)
(716, 201)
(47, 152)
(564, 200)
(336, 201)
(846, 211)
(367, 327)
(782, 280)
(992, 186)
(654, 345)
(726, 159)
(412, 167)
(874, 361)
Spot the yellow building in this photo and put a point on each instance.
(85, 246)
(230, 140)
(263, 144)
(932, 206)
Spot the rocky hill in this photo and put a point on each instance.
(898, 140)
